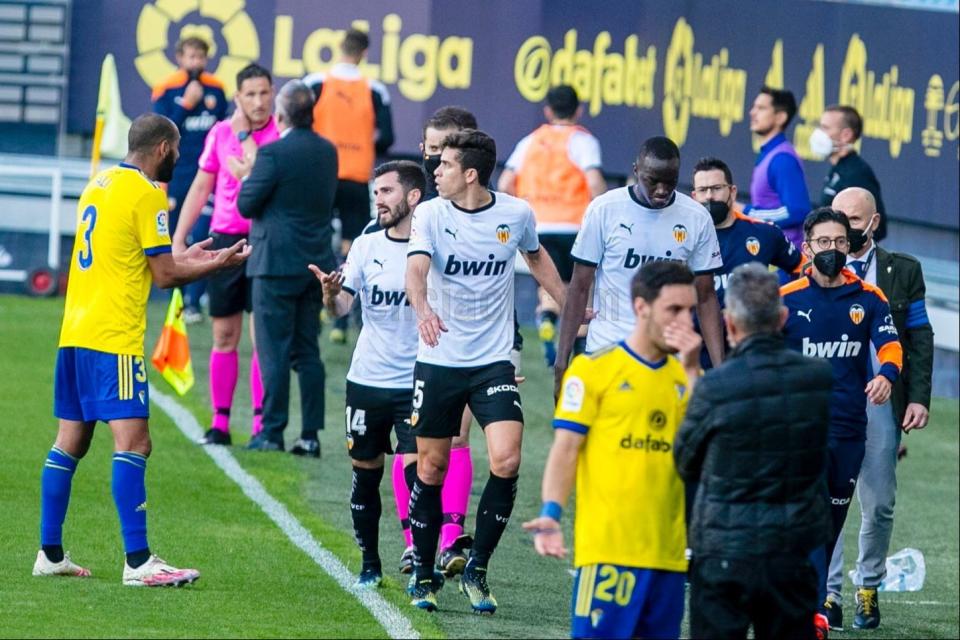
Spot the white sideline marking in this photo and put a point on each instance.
(389, 617)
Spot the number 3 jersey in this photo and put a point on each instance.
(387, 347)
(470, 282)
(121, 219)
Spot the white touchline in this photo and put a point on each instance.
(394, 622)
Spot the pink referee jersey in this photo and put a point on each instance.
(220, 144)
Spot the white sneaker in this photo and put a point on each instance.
(157, 573)
(66, 567)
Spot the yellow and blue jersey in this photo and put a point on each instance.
(839, 324)
(121, 220)
(630, 499)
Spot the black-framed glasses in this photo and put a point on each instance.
(823, 242)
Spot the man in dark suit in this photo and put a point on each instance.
(900, 277)
(289, 196)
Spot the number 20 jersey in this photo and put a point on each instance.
(121, 219)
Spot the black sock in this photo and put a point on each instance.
(54, 552)
(137, 558)
(410, 475)
(426, 516)
(493, 513)
(365, 508)
(549, 315)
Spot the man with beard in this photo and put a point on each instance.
(380, 379)
(227, 157)
(626, 228)
(289, 197)
(835, 315)
(122, 245)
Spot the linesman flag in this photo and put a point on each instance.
(171, 356)
(111, 127)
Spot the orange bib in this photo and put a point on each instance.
(344, 115)
(555, 187)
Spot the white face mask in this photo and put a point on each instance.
(820, 143)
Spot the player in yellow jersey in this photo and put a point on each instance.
(122, 245)
(617, 415)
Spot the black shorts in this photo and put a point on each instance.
(352, 206)
(441, 393)
(559, 246)
(371, 414)
(229, 289)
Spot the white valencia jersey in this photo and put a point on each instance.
(387, 347)
(619, 235)
(470, 283)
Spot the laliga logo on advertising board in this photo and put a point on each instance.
(157, 31)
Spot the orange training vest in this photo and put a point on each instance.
(344, 115)
(555, 187)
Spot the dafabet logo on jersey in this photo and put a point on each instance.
(163, 22)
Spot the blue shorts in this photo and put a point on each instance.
(93, 385)
(613, 601)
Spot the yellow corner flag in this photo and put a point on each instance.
(171, 356)
(110, 130)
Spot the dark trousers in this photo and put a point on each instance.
(777, 595)
(286, 312)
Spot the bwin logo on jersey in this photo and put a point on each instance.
(380, 296)
(857, 313)
(489, 267)
(503, 233)
(753, 246)
(845, 348)
(680, 233)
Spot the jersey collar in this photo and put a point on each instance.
(640, 359)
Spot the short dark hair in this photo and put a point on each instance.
(851, 118)
(451, 117)
(252, 70)
(193, 42)
(782, 100)
(410, 175)
(654, 276)
(476, 150)
(295, 101)
(659, 147)
(713, 164)
(355, 42)
(149, 130)
(821, 215)
(563, 101)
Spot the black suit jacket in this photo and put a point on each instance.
(289, 196)
(900, 277)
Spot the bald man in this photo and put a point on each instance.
(900, 278)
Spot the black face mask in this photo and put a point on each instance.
(858, 239)
(830, 262)
(430, 164)
(718, 210)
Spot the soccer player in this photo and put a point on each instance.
(460, 282)
(615, 424)
(122, 244)
(833, 314)
(742, 239)
(380, 379)
(227, 158)
(623, 230)
(195, 101)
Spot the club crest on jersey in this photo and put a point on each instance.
(753, 246)
(680, 233)
(503, 233)
(210, 101)
(658, 420)
(857, 313)
(414, 418)
(162, 229)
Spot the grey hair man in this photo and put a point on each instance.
(760, 509)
